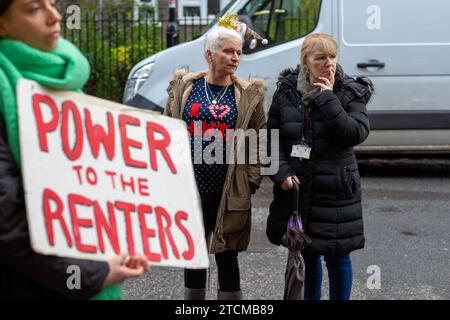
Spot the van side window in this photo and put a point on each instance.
(280, 20)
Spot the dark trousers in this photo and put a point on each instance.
(340, 276)
(227, 261)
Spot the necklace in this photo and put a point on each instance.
(219, 97)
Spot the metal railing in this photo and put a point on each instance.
(114, 42)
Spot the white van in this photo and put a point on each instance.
(402, 45)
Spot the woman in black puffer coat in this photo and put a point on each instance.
(317, 106)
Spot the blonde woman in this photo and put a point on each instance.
(321, 114)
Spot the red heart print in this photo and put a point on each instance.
(219, 112)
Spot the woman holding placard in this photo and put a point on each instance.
(31, 47)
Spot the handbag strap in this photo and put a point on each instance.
(296, 188)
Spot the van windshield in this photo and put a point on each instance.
(221, 13)
(280, 21)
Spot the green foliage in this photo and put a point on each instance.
(114, 41)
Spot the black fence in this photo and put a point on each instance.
(114, 42)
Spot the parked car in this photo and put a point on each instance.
(402, 45)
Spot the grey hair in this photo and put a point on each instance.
(218, 34)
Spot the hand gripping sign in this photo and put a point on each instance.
(101, 178)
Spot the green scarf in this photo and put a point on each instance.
(64, 68)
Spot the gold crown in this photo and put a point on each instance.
(229, 21)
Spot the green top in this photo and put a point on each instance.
(64, 68)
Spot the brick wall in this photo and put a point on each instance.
(163, 9)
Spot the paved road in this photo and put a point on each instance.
(407, 223)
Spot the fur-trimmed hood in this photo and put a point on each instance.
(186, 76)
(232, 231)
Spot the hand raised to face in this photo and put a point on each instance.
(325, 83)
(322, 68)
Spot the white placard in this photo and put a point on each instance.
(102, 178)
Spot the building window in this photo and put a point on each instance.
(213, 7)
(142, 4)
(190, 11)
(203, 11)
(151, 3)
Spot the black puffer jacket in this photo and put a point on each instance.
(25, 274)
(330, 190)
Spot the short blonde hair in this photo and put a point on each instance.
(311, 42)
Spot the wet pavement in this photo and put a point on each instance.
(407, 223)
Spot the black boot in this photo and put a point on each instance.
(194, 294)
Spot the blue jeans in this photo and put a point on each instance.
(340, 276)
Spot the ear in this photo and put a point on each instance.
(3, 29)
(209, 55)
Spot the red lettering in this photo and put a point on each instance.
(127, 208)
(222, 127)
(50, 195)
(97, 136)
(78, 223)
(206, 126)
(195, 107)
(44, 127)
(188, 254)
(143, 187)
(161, 145)
(147, 233)
(75, 153)
(78, 170)
(200, 128)
(112, 174)
(91, 176)
(126, 184)
(101, 223)
(197, 127)
(213, 132)
(164, 231)
(127, 142)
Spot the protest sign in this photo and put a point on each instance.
(102, 178)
